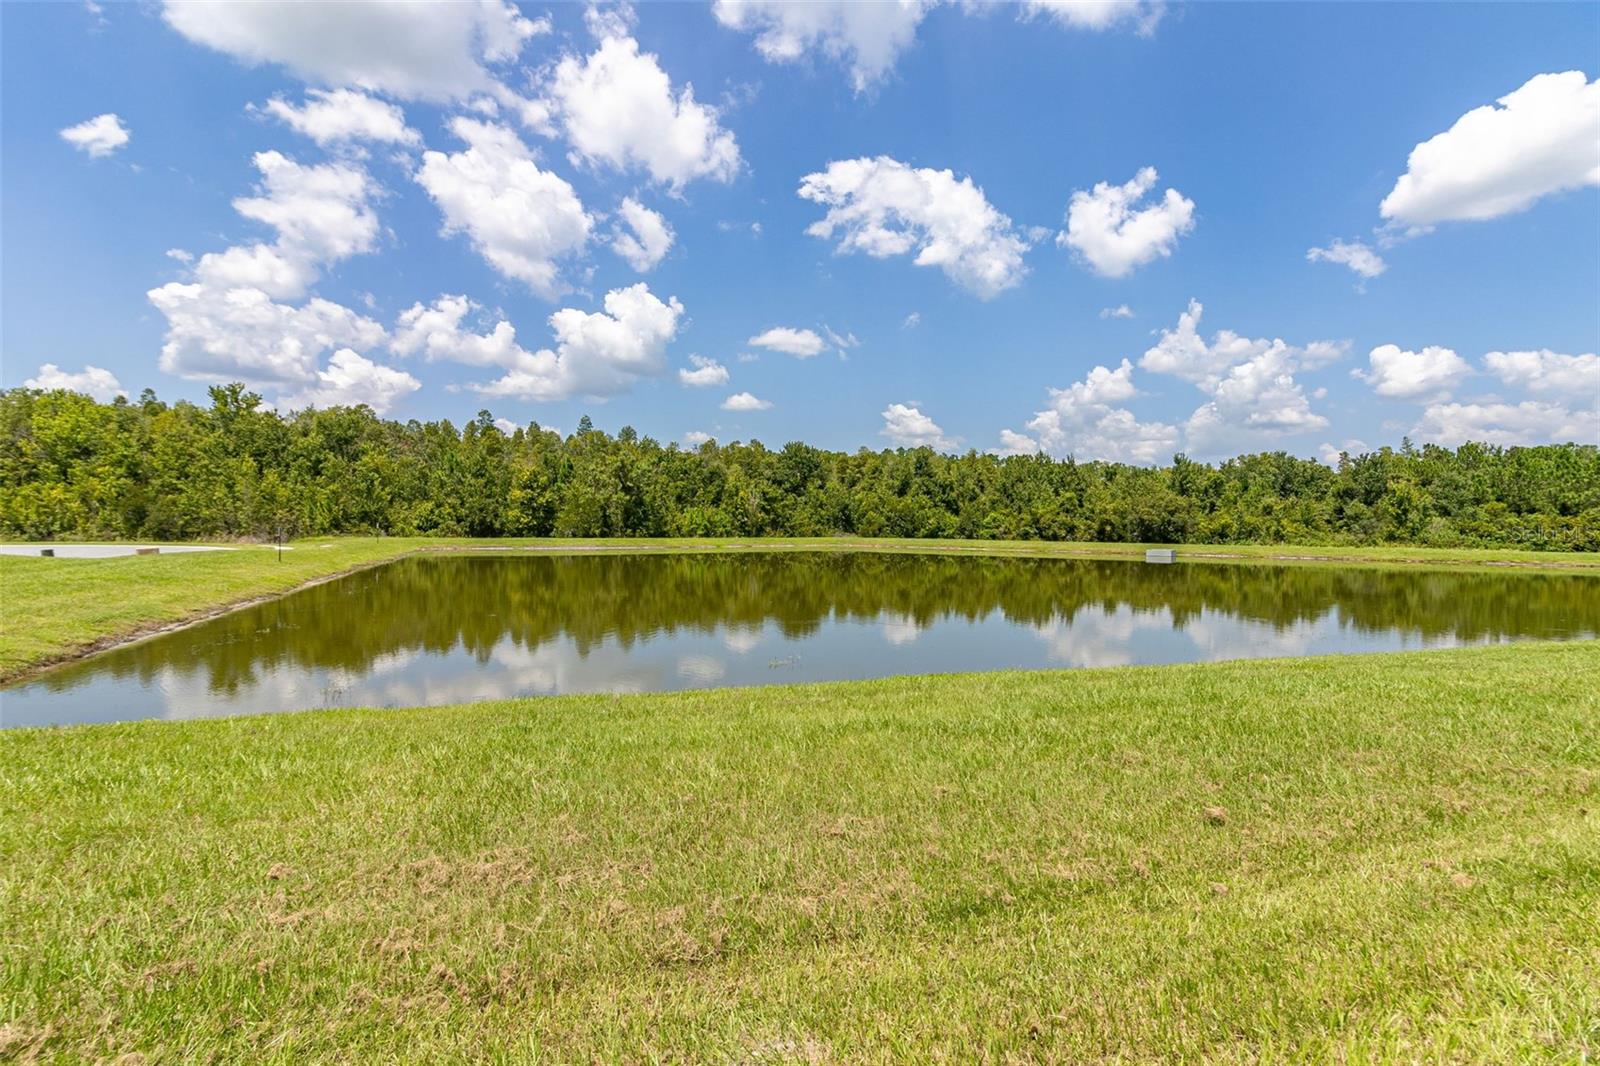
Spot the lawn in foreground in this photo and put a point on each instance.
(1379, 857)
(57, 608)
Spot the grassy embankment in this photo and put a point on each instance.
(1340, 859)
(53, 609)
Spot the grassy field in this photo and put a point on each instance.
(1340, 859)
(57, 608)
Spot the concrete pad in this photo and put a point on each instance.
(108, 551)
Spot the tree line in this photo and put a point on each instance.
(147, 469)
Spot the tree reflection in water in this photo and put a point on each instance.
(497, 609)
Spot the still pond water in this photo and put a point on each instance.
(435, 630)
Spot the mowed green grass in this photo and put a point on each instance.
(51, 609)
(1378, 858)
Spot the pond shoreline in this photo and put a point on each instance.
(159, 629)
(1041, 550)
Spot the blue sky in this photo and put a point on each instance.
(430, 175)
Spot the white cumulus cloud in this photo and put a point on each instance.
(1356, 255)
(1542, 138)
(706, 373)
(98, 136)
(1099, 14)
(1119, 311)
(1544, 371)
(428, 51)
(907, 427)
(800, 343)
(520, 218)
(92, 381)
(1405, 375)
(257, 266)
(596, 354)
(1084, 420)
(882, 207)
(617, 107)
(437, 331)
(744, 401)
(866, 38)
(1568, 410)
(1014, 443)
(1252, 393)
(227, 322)
(1507, 424)
(343, 115)
(1329, 453)
(1114, 235)
(350, 379)
(241, 334)
(642, 238)
(321, 215)
(320, 212)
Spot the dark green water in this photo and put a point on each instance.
(433, 630)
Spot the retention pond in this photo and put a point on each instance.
(439, 629)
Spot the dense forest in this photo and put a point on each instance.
(74, 467)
